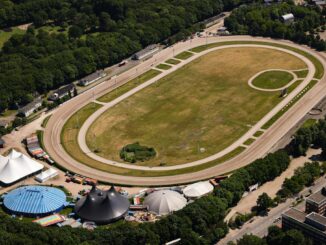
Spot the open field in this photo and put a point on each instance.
(318, 65)
(69, 137)
(128, 86)
(272, 79)
(6, 35)
(194, 112)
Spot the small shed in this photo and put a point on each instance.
(288, 18)
(46, 175)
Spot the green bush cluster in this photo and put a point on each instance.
(136, 152)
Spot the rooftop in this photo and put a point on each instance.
(317, 218)
(65, 89)
(93, 76)
(30, 106)
(317, 197)
(295, 214)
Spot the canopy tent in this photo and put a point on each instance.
(46, 175)
(102, 207)
(35, 200)
(17, 166)
(198, 189)
(164, 202)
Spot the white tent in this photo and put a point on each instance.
(198, 189)
(164, 202)
(17, 166)
(46, 175)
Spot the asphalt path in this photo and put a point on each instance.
(258, 149)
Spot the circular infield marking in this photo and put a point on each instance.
(251, 81)
(82, 133)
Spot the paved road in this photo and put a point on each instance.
(259, 226)
(83, 130)
(258, 149)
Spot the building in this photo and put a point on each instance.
(198, 189)
(288, 18)
(68, 90)
(164, 202)
(2, 143)
(102, 207)
(17, 166)
(91, 78)
(146, 52)
(30, 108)
(34, 201)
(46, 175)
(312, 225)
(317, 202)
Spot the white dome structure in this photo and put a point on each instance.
(163, 202)
(198, 189)
(17, 166)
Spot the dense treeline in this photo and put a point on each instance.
(263, 20)
(305, 137)
(200, 222)
(100, 33)
(276, 236)
(304, 176)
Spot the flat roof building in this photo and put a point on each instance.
(312, 225)
(147, 52)
(91, 78)
(316, 202)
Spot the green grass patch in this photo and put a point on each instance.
(318, 65)
(184, 55)
(309, 122)
(163, 67)
(272, 79)
(128, 86)
(45, 121)
(172, 61)
(8, 113)
(289, 105)
(249, 141)
(6, 35)
(301, 74)
(40, 134)
(258, 133)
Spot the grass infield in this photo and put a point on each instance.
(272, 79)
(194, 112)
(77, 154)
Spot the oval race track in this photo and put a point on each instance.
(258, 149)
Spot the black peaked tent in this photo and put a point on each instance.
(102, 207)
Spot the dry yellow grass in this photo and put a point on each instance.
(206, 104)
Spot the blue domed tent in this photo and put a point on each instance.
(34, 201)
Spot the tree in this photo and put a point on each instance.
(264, 202)
(251, 240)
(75, 32)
